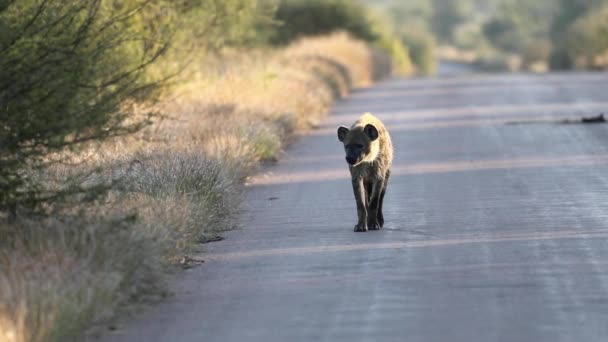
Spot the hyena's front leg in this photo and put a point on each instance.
(361, 198)
(373, 222)
(381, 204)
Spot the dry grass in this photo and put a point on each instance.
(172, 185)
(252, 103)
(63, 274)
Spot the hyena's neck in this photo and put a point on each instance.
(362, 170)
(373, 153)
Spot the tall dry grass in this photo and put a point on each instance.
(172, 186)
(248, 105)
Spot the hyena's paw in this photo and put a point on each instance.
(374, 225)
(360, 227)
(381, 220)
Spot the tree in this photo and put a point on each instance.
(315, 17)
(68, 70)
(448, 15)
(518, 23)
(586, 41)
(569, 11)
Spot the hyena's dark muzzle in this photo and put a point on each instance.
(353, 154)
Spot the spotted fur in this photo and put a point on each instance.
(369, 153)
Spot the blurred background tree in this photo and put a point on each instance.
(411, 22)
(558, 33)
(299, 18)
(586, 40)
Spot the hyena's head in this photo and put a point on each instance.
(359, 143)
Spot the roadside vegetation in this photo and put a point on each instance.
(127, 128)
(503, 35)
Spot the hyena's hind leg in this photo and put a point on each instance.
(382, 193)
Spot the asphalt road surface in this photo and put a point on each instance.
(496, 226)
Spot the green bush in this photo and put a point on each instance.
(67, 71)
(536, 51)
(72, 71)
(388, 41)
(586, 40)
(299, 18)
(213, 24)
(422, 50)
(501, 32)
(560, 59)
(400, 54)
(405, 31)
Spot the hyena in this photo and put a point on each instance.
(369, 154)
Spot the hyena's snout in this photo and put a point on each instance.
(353, 153)
(351, 160)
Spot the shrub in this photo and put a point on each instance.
(586, 40)
(68, 70)
(388, 41)
(204, 186)
(73, 72)
(317, 17)
(536, 51)
(422, 50)
(59, 274)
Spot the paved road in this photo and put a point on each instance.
(450, 69)
(497, 227)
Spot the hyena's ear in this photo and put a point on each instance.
(371, 131)
(342, 132)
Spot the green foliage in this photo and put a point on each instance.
(400, 54)
(563, 32)
(470, 36)
(299, 18)
(422, 50)
(518, 23)
(536, 51)
(568, 12)
(67, 70)
(72, 71)
(570, 33)
(213, 24)
(448, 15)
(412, 44)
(587, 40)
(502, 33)
(554, 31)
(390, 42)
(412, 14)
